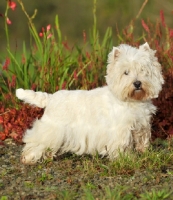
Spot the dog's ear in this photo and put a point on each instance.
(145, 47)
(116, 52)
(113, 54)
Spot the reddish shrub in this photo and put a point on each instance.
(163, 121)
(13, 122)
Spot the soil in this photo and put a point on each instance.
(70, 177)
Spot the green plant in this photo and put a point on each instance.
(66, 195)
(29, 184)
(51, 64)
(118, 193)
(156, 195)
(45, 177)
(4, 198)
(88, 194)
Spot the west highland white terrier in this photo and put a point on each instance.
(107, 120)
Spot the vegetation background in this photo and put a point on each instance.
(76, 16)
(71, 52)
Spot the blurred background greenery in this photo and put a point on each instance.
(75, 16)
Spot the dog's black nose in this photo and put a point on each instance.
(137, 84)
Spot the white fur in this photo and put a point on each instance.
(108, 120)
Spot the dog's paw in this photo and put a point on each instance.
(28, 159)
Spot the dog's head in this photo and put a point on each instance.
(134, 74)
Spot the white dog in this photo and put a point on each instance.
(108, 120)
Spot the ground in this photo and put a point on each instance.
(140, 176)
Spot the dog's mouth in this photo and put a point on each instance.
(138, 94)
(137, 89)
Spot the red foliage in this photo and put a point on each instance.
(6, 64)
(145, 26)
(162, 122)
(13, 122)
(162, 17)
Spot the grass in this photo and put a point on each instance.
(152, 163)
(142, 176)
(157, 161)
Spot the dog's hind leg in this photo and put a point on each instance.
(42, 141)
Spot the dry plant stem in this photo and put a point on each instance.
(72, 79)
(5, 112)
(23, 8)
(141, 9)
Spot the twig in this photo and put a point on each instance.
(141, 9)
(5, 112)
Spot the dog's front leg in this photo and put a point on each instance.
(142, 138)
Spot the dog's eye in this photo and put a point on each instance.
(126, 72)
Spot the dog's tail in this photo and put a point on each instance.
(39, 99)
